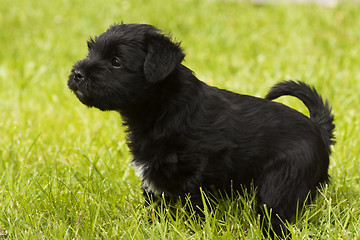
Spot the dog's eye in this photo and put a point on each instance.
(115, 62)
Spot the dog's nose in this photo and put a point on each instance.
(79, 76)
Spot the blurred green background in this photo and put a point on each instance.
(64, 168)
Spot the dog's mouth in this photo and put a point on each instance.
(79, 94)
(82, 98)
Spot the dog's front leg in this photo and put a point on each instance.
(149, 197)
(193, 204)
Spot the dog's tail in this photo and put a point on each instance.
(320, 111)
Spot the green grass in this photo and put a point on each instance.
(65, 169)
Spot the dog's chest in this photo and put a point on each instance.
(141, 170)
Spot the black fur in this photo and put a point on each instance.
(185, 134)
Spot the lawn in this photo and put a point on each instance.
(65, 169)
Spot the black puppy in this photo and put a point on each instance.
(185, 135)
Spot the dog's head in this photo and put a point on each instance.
(122, 64)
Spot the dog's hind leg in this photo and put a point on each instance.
(282, 189)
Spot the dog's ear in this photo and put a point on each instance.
(163, 56)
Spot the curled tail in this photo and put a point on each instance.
(320, 111)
